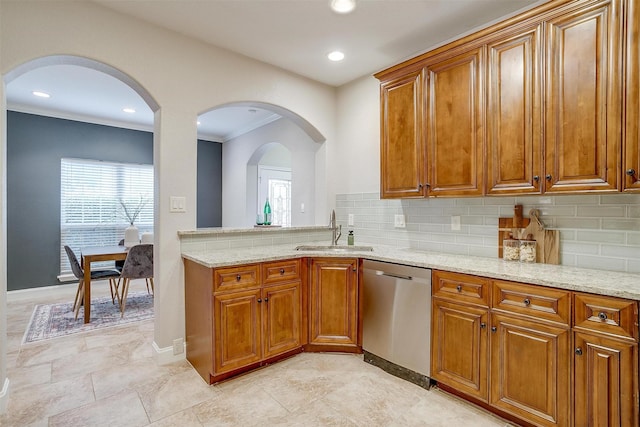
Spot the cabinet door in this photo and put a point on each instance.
(334, 302)
(606, 381)
(237, 331)
(530, 370)
(401, 146)
(583, 99)
(454, 125)
(514, 153)
(631, 153)
(282, 316)
(459, 347)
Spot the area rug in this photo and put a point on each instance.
(57, 320)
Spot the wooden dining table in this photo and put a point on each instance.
(94, 254)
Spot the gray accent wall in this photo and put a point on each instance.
(209, 196)
(35, 145)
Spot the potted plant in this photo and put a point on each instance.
(131, 213)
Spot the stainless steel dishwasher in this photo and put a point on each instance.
(396, 330)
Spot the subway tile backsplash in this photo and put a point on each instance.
(596, 231)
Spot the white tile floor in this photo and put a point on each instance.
(109, 378)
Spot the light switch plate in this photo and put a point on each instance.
(399, 221)
(455, 223)
(177, 204)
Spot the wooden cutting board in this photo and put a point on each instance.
(506, 225)
(548, 241)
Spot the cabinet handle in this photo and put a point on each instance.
(459, 288)
(631, 172)
(494, 329)
(579, 351)
(602, 315)
(483, 325)
(266, 299)
(281, 271)
(548, 177)
(420, 186)
(426, 184)
(527, 302)
(259, 300)
(238, 277)
(536, 178)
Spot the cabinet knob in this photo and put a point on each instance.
(483, 325)
(494, 329)
(631, 172)
(579, 351)
(602, 315)
(281, 271)
(459, 288)
(536, 178)
(259, 300)
(420, 186)
(266, 299)
(527, 302)
(238, 277)
(548, 177)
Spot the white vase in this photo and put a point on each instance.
(131, 236)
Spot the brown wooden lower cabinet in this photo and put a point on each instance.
(459, 341)
(242, 317)
(606, 381)
(530, 370)
(334, 321)
(546, 367)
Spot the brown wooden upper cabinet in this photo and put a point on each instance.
(539, 103)
(454, 125)
(401, 145)
(583, 98)
(631, 152)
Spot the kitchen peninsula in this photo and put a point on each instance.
(492, 313)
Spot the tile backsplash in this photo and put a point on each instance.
(596, 231)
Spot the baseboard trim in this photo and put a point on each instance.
(4, 396)
(164, 356)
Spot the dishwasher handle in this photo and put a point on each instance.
(395, 276)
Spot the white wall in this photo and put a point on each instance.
(239, 202)
(185, 77)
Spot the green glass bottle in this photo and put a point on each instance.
(267, 212)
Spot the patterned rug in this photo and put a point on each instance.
(57, 320)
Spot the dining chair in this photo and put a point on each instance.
(137, 265)
(77, 270)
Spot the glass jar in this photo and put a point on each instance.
(511, 249)
(527, 251)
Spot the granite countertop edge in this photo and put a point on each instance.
(602, 282)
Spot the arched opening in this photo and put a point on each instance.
(55, 134)
(285, 140)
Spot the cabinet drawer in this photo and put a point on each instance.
(282, 271)
(531, 300)
(235, 278)
(460, 288)
(607, 315)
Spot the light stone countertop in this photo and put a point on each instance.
(623, 285)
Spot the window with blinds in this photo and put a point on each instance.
(92, 195)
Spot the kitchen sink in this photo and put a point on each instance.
(334, 248)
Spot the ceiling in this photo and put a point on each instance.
(295, 35)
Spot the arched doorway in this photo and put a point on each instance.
(242, 148)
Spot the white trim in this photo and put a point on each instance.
(164, 356)
(4, 396)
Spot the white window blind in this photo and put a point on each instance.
(91, 208)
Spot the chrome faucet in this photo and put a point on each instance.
(336, 230)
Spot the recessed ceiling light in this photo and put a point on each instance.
(342, 6)
(41, 94)
(336, 55)
(129, 110)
